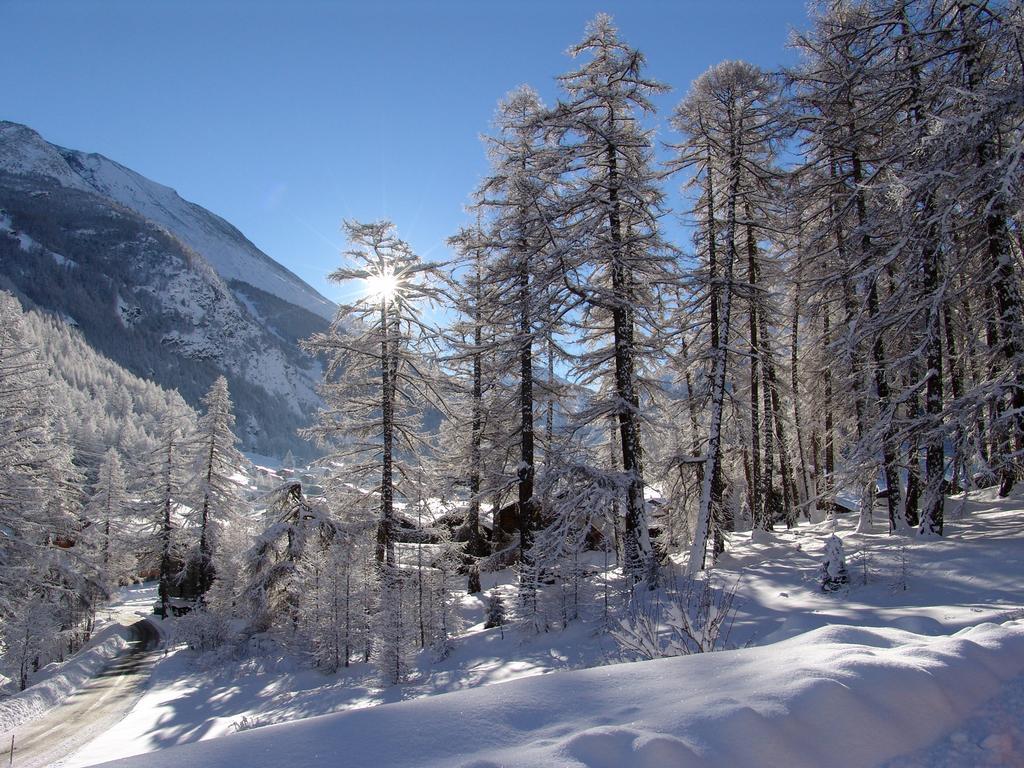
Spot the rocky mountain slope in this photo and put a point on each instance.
(155, 283)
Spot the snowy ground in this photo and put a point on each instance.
(837, 696)
(926, 634)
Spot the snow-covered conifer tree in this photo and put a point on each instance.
(834, 575)
(731, 123)
(297, 528)
(217, 492)
(728, 123)
(614, 259)
(160, 483)
(520, 278)
(108, 512)
(376, 382)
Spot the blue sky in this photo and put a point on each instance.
(286, 117)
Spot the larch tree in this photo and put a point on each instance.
(522, 284)
(614, 258)
(728, 123)
(377, 383)
(161, 483)
(108, 512)
(217, 462)
(298, 529)
(470, 338)
(480, 437)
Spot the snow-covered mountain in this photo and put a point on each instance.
(230, 253)
(155, 283)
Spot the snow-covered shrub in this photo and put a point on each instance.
(246, 723)
(495, 616)
(394, 637)
(834, 575)
(861, 562)
(446, 621)
(696, 616)
(203, 630)
(902, 581)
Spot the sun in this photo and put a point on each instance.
(382, 285)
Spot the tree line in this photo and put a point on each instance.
(104, 479)
(846, 321)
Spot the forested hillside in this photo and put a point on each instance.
(148, 300)
(77, 429)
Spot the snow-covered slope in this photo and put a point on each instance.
(837, 696)
(144, 297)
(23, 151)
(227, 249)
(925, 631)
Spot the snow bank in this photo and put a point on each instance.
(59, 680)
(837, 696)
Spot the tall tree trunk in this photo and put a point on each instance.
(385, 550)
(166, 563)
(712, 488)
(805, 484)
(789, 492)
(476, 546)
(935, 458)
(878, 360)
(637, 545)
(911, 502)
(525, 472)
(717, 487)
(956, 384)
(759, 489)
(931, 520)
(829, 449)
(205, 576)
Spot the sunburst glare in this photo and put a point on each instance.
(382, 285)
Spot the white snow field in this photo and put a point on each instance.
(836, 696)
(919, 662)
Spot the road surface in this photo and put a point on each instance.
(91, 710)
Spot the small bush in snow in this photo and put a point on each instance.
(247, 723)
(394, 629)
(834, 575)
(495, 610)
(696, 617)
(902, 582)
(203, 631)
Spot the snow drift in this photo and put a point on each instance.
(837, 696)
(53, 688)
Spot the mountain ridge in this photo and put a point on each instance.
(145, 296)
(231, 254)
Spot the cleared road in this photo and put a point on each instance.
(88, 712)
